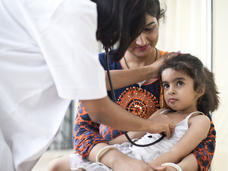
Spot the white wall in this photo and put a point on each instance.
(220, 65)
(187, 28)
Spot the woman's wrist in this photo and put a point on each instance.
(110, 157)
(117, 158)
(102, 152)
(151, 71)
(173, 165)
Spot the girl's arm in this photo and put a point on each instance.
(200, 159)
(188, 142)
(189, 163)
(205, 150)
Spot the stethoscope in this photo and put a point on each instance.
(107, 50)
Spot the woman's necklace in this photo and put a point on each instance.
(126, 63)
(142, 82)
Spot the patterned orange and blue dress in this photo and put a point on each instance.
(141, 101)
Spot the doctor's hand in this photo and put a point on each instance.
(161, 123)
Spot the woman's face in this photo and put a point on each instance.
(145, 43)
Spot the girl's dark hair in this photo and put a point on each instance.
(122, 21)
(201, 76)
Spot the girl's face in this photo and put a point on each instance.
(144, 44)
(179, 93)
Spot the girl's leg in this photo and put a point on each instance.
(61, 164)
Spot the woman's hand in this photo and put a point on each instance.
(157, 167)
(170, 169)
(167, 168)
(160, 61)
(130, 164)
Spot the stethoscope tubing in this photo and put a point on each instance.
(114, 98)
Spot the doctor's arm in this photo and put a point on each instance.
(107, 112)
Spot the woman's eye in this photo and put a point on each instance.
(149, 29)
(180, 83)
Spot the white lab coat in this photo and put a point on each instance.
(48, 56)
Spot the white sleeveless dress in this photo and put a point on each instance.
(146, 154)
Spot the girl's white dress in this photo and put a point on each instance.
(146, 154)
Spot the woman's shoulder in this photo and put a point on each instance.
(161, 52)
(112, 64)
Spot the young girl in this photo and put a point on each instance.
(189, 92)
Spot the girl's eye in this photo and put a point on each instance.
(180, 83)
(165, 85)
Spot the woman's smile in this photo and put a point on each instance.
(142, 48)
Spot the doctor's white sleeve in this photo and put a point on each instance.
(70, 49)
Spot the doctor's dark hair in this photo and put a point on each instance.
(121, 21)
(202, 77)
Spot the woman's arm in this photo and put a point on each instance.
(123, 78)
(188, 142)
(88, 142)
(119, 161)
(86, 133)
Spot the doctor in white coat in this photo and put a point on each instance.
(48, 57)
